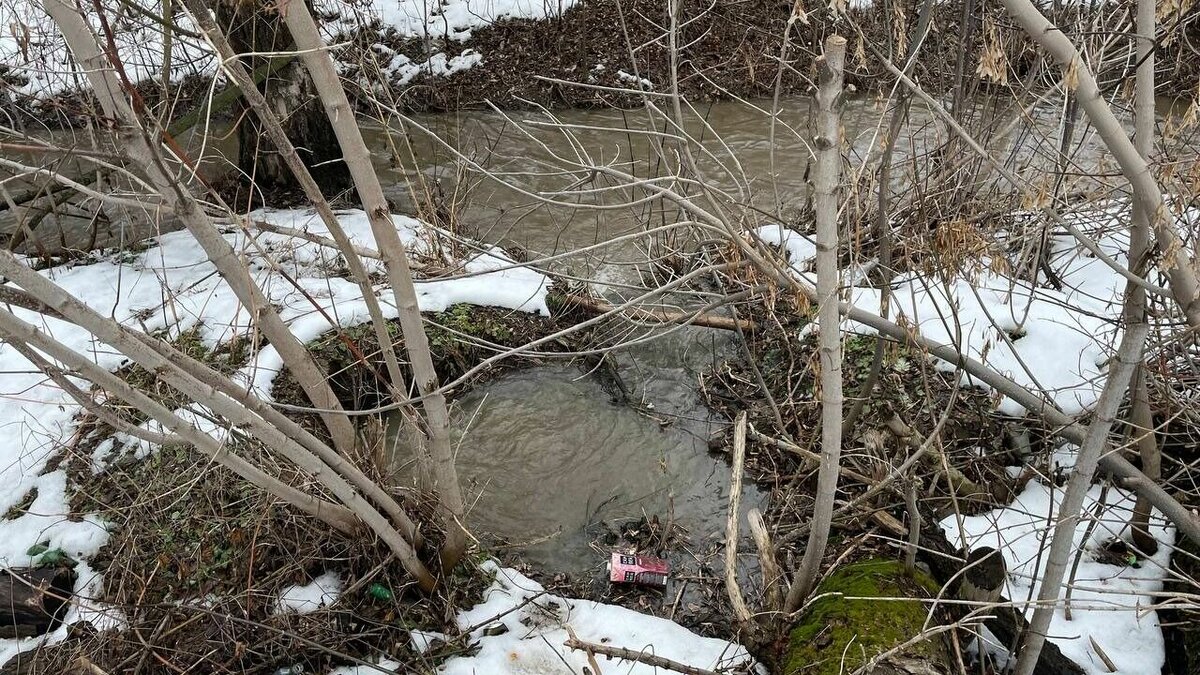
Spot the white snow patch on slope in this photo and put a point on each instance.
(172, 287)
(1110, 603)
(1044, 339)
(401, 70)
(303, 599)
(536, 632)
(455, 19)
(536, 625)
(32, 48)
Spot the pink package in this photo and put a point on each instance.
(637, 569)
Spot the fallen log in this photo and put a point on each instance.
(33, 601)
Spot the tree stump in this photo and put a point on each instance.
(33, 601)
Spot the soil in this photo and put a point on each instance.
(733, 49)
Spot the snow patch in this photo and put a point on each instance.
(322, 592)
(1052, 341)
(641, 82)
(422, 640)
(537, 629)
(455, 19)
(1111, 603)
(33, 52)
(171, 287)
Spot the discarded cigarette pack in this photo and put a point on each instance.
(643, 570)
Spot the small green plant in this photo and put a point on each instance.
(44, 556)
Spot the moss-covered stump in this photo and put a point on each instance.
(837, 635)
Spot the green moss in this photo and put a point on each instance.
(463, 319)
(837, 635)
(459, 338)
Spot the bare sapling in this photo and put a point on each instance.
(826, 176)
(1121, 368)
(21, 336)
(145, 153)
(209, 391)
(323, 71)
(341, 241)
(1141, 418)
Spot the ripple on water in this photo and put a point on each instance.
(544, 452)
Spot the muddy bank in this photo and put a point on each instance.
(581, 57)
(729, 49)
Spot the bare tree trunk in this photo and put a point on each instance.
(1141, 418)
(437, 418)
(1147, 193)
(1142, 423)
(826, 173)
(145, 153)
(255, 31)
(21, 336)
(1129, 354)
(307, 181)
(173, 372)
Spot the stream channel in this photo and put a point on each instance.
(550, 464)
(548, 461)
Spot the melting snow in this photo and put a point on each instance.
(537, 629)
(172, 287)
(322, 592)
(32, 49)
(1047, 340)
(1110, 602)
(520, 629)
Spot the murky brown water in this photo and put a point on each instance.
(741, 157)
(550, 462)
(545, 456)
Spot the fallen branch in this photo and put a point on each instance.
(811, 458)
(935, 458)
(772, 574)
(33, 601)
(637, 657)
(662, 315)
(740, 610)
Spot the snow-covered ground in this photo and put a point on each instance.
(1057, 342)
(520, 629)
(31, 48)
(1110, 603)
(537, 625)
(172, 287)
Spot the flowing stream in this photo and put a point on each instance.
(548, 460)
(552, 465)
